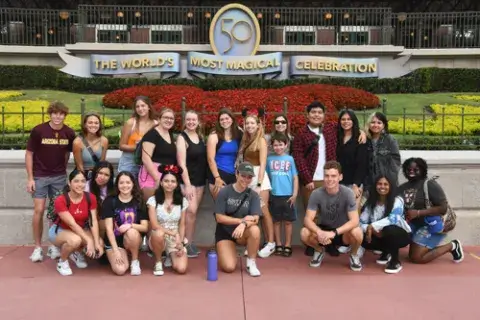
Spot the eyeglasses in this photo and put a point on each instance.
(280, 122)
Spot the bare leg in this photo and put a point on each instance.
(278, 233)
(37, 221)
(422, 255)
(288, 233)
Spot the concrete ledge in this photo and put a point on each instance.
(15, 227)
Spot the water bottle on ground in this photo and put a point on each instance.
(212, 268)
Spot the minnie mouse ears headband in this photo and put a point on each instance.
(172, 169)
(259, 112)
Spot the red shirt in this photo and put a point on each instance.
(79, 211)
(50, 147)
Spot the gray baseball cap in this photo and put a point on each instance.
(246, 168)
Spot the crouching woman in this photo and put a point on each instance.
(77, 226)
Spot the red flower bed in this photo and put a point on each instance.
(208, 103)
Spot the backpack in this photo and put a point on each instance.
(449, 218)
(52, 215)
(137, 154)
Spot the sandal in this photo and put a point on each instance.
(287, 251)
(279, 250)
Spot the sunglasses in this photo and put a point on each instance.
(280, 122)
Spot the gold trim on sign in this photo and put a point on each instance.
(244, 9)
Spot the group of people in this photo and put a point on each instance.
(347, 179)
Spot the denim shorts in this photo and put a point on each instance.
(48, 186)
(52, 235)
(423, 237)
(127, 163)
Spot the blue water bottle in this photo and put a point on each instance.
(212, 260)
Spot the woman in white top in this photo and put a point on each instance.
(166, 211)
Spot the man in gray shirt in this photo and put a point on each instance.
(338, 218)
(237, 211)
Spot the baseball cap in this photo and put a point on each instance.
(246, 168)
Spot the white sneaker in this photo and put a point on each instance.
(377, 252)
(344, 249)
(158, 269)
(63, 267)
(168, 262)
(317, 259)
(360, 252)
(252, 268)
(53, 252)
(79, 260)
(37, 255)
(135, 268)
(266, 251)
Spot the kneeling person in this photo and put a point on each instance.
(237, 211)
(338, 218)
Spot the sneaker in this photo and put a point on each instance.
(332, 250)
(195, 249)
(79, 260)
(457, 251)
(344, 249)
(355, 263)
(158, 269)
(144, 247)
(317, 259)
(168, 262)
(360, 252)
(135, 268)
(252, 268)
(377, 252)
(53, 252)
(393, 267)
(37, 255)
(63, 267)
(267, 250)
(384, 258)
(191, 252)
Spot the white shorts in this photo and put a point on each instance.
(265, 183)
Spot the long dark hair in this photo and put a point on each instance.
(355, 126)
(177, 193)
(95, 188)
(374, 197)
(236, 134)
(136, 193)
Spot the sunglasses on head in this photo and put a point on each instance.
(280, 122)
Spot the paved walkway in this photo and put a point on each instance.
(287, 289)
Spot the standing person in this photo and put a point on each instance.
(126, 221)
(91, 146)
(46, 158)
(166, 210)
(253, 149)
(158, 147)
(192, 158)
(382, 149)
(280, 125)
(76, 226)
(284, 178)
(338, 219)
(222, 150)
(133, 130)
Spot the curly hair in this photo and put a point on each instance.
(177, 193)
(421, 164)
(136, 193)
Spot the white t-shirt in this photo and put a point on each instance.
(168, 220)
(322, 159)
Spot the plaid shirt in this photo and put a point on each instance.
(303, 139)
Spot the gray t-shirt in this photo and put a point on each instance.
(332, 209)
(228, 201)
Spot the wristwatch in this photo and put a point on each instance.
(244, 222)
(259, 184)
(336, 232)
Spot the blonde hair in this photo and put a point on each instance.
(199, 129)
(249, 142)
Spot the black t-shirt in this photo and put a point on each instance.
(164, 152)
(414, 197)
(121, 212)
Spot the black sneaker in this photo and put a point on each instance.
(332, 250)
(384, 258)
(393, 267)
(457, 253)
(355, 263)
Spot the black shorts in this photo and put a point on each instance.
(228, 178)
(337, 241)
(224, 233)
(280, 209)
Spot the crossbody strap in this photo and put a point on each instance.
(90, 150)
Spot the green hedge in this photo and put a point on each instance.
(419, 81)
(18, 142)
